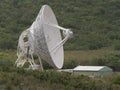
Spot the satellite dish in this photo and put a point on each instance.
(44, 40)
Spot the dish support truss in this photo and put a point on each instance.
(25, 49)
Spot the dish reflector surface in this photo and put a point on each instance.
(47, 37)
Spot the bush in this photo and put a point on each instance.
(117, 80)
(70, 64)
(111, 60)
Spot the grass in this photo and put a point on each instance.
(83, 55)
(8, 55)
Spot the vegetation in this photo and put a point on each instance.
(20, 79)
(110, 58)
(17, 79)
(12, 78)
(96, 41)
(95, 23)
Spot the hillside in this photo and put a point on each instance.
(95, 23)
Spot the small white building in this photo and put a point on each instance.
(92, 71)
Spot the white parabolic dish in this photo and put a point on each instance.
(44, 40)
(47, 37)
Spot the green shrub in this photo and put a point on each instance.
(111, 60)
(117, 80)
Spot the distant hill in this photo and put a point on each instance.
(95, 23)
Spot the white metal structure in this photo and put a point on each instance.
(44, 40)
(88, 68)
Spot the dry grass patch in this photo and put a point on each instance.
(87, 55)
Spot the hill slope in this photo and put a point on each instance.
(95, 23)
